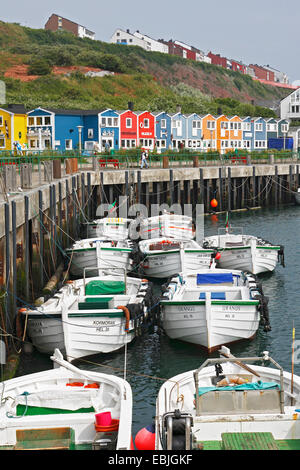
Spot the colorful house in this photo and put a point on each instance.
(146, 130)
(109, 129)
(13, 127)
(247, 133)
(259, 129)
(194, 132)
(209, 132)
(223, 133)
(235, 133)
(128, 121)
(162, 131)
(178, 130)
(40, 129)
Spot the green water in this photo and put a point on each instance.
(154, 356)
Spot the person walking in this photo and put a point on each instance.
(144, 159)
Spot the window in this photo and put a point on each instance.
(47, 120)
(133, 143)
(68, 144)
(33, 144)
(247, 126)
(211, 125)
(196, 124)
(146, 123)
(39, 121)
(123, 143)
(259, 127)
(31, 121)
(1, 121)
(109, 122)
(47, 143)
(90, 133)
(224, 125)
(115, 124)
(103, 122)
(128, 122)
(163, 123)
(2, 142)
(163, 143)
(284, 127)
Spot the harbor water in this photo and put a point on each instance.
(153, 358)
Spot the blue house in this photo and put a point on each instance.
(109, 129)
(40, 129)
(247, 134)
(259, 129)
(162, 131)
(178, 130)
(194, 131)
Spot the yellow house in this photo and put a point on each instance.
(13, 127)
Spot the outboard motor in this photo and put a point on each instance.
(177, 433)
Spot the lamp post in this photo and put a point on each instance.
(80, 132)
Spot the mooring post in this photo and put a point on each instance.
(83, 208)
(201, 192)
(60, 219)
(220, 189)
(139, 186)
(229, 189)
(41, 244)
(171, 176)
(54, 225)
(27, 251)
(7, 265)
(253, 187)
(74, 220)
(89, 196)
(67, 205)
(14, 250)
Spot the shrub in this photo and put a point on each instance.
(39, 67)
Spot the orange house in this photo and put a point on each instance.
(235, 133)
(223, 133)
(209, 132)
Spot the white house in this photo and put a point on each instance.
(154, 45)
(129, 39)
(280, 77)
(290, 106)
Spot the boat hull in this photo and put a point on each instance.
(46, 333)
(166, 264)
(210, 325)
(255, 260)
(109, 257)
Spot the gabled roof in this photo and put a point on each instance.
(15, 108)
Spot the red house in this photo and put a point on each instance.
(262, 73)
(216, 59)
(238, 66)
(146, 130)
(128, 129)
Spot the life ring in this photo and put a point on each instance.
(127, 316)
(141, 125)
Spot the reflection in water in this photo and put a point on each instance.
(155, 356)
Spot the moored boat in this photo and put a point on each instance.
(245, 252)
(92, 252)
(213, 307)
(227, 405)
(113, 228)
(62, 409)
(165, 257)
(91, 316)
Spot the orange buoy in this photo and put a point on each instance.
(145, 438)
(213, 203)
(214, 218)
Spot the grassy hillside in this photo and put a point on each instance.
(152, 80)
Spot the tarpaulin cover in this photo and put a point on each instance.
(98, 287)
(259, 385)
(213, 295)
(214, 278)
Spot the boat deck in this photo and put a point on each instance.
(250, 441)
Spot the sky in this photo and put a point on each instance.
(263, 32)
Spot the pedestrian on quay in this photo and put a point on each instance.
(144, 157)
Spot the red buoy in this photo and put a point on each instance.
(218, 256)
(213, 203)
(145, 438)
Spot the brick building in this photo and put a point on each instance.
(58, 23)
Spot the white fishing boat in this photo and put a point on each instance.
(213, 307)
(90, 316)
(228, 405)
(168, 225)
(62, 408)
(164, 257)
(113, 228)
(92, 252)
(245, 252)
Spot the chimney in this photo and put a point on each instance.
(127, 30)
(130, 105)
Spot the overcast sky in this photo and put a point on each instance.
(264, 32)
